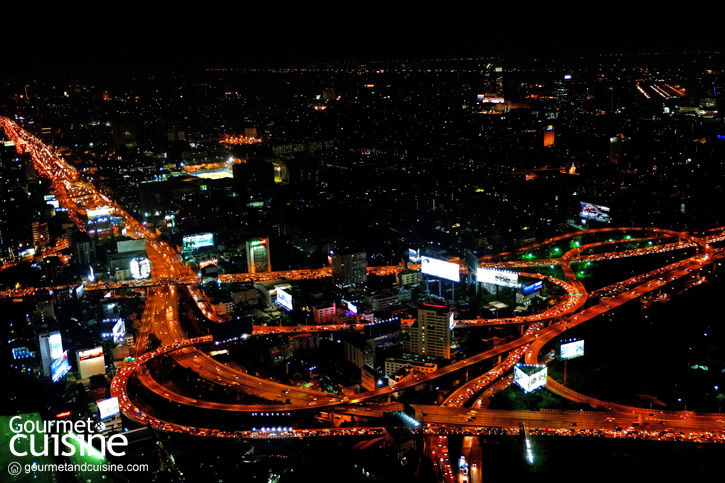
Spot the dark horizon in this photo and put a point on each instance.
(118, 46)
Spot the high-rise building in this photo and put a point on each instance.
(549, 135)
(430, 335)
(493, 81)
(258, 258)
(84, 248)
(349, 268)
(41, 235)
(51, 349)
(615, 149)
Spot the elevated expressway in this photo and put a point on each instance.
(169, 273)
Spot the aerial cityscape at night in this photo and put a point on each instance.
(373, 251)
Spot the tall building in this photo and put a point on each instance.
(51, 349)
(615, 149)
(41, 235)
(84, 248)
(258, 258)
(430, 335)
(349, 268)
(548, 135)
(493, 81)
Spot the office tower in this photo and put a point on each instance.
(548, 135)
(615, 149)
(51, 349)
(258, 258)
(430, 335)
(349, 268)
(41, 235)
(493, 81)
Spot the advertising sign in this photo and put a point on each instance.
(59, 367)
(198, 241)
(594, 212)
(498, 277)
(91, 362)
(440, 268)
(284, 299)
(107, 408)
(530, 377)
(140, 268)
(571, 350)
(534, 287)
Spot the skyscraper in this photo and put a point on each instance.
(258, 258)
(51, 349)
(430, 335)
(41, 235)
(349, 268)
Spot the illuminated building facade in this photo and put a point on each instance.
(349, 269)
(258, 258)
(430, 335)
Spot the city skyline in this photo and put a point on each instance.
(325, 264)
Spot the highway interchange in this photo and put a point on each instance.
(463, 410)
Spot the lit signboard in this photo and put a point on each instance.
(119, 331)
(594, 212)
(107, 408)
(206, 263)
(571, 350)
(91, 362)
(440, 268)
(284, 299)
(100, 212)
(413, 255)
(352, 307)
(530, 377)
(55, 343)
(198, 241)
(140, 268)
(59, 367)
(137, 245)
(498, 277)
(87, 354)
(534, 287)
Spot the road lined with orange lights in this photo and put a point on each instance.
(161, 316)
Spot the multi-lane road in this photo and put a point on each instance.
(170, 275)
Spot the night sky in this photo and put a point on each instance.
(180, 37)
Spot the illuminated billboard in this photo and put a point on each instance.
(498, 277)
(284, 299)
(137, 245)
(51, 350)
(206, 263)
(530, 377)
(571, 349)
(440, 268)
(413, 255)
(198, 241)
(100, 212)
(107, 408)
(594, 212)
(55, 343)
(91, 362)
(140, 268)
(59, 367)
(119, 331)
(534, 287)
